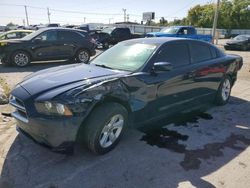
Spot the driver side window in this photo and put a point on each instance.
(176, 54)
(48, 36)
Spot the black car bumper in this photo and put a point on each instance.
(58, 134)
(233, 47)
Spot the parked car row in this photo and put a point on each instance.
(77, 45)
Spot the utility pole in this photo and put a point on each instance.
(215, 20)
(124, 12)
(26, 13)
(48, 12)
(84, 19)
(127, 17)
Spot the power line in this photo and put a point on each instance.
(181, 8)
(91, 13)
(64, 11)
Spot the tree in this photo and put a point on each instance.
(201, 16)
(163, 22)
(10, 24)
(233, 14)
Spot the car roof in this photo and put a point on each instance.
(60, 28)
(158, 40)
(19, 30)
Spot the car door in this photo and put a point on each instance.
(68, 42)
(207, 71)
(172, 87)
(45, 46)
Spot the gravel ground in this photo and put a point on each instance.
(206, 150)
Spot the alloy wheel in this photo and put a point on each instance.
(83, 56)
(226, 88)
(21, 59)
(111, 131)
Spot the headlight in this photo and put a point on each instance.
(50, 108)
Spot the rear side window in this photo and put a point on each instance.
(177, 54)
(69, 36)
(200, 52)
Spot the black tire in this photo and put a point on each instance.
(82, 56)
(20, 58)
(95, 137)
(223, 95)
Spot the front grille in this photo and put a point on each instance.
(20, 112)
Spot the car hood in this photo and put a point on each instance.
(53, 78)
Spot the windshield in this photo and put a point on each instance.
(242, 37)
(169, 30)
(107, 30)
(125, 56)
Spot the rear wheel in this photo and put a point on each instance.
(82, 56)
(224, 91)
(104, 127)
(20, 58)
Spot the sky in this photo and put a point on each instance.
(91, 11)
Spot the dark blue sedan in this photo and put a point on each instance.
(132, 83)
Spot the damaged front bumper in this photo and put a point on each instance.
(58, 135)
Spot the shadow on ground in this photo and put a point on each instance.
(162, 157)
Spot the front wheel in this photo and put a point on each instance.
(82, 56)
(104, 127)
(224, 91)
(20, 58)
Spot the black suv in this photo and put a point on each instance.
(48, 44)
(112, 36)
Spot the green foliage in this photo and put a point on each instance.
(10, 24)
(233, 14)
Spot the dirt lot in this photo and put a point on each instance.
(210, 149)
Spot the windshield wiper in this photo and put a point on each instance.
(103, 66)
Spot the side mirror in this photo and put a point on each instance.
(37, 40)
(162, 66)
